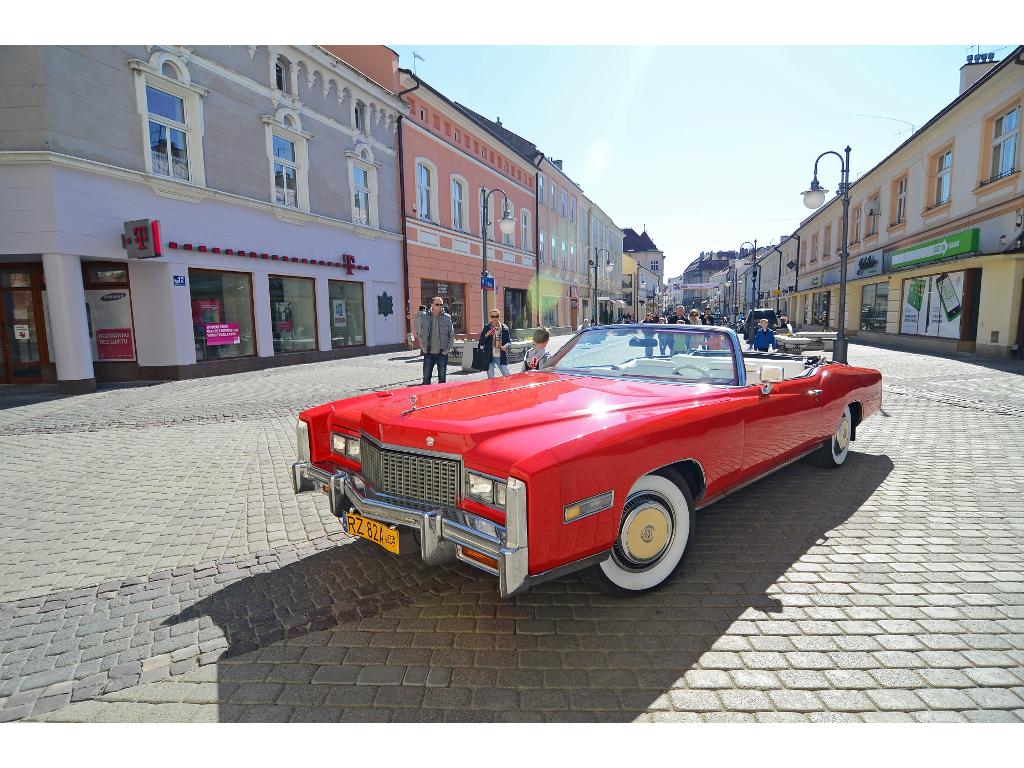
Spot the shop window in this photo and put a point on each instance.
(874, 307)
(820, 308)
(108, 311)
(347, 319)
(222, 321)
(293, 314)
(454, 297)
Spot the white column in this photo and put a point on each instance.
(261, 310)
(65, 297)
(323, 314)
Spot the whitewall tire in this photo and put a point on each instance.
(655, 529)
(833, 452)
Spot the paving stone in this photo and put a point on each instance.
(895, 700)
(381, 675)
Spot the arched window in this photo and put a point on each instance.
(359, 117)
(282, 74)
(510, 238)
(171, 71)
(458, 205)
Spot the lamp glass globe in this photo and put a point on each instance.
(814, 198)
(507, 225)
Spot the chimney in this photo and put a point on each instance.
(978, 65)
(558, 163)
(499, 122)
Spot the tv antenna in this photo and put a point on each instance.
(913, 127)
(414, 57)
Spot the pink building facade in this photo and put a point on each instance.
(448, 161)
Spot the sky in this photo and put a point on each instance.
(707, 147)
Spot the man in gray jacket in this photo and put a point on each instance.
(435, 332)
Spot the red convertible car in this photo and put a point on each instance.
(599, 460)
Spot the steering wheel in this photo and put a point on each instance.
(703, 373)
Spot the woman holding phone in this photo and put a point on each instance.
(498, 338)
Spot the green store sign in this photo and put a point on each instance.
(955, 244)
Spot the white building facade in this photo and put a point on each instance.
(261, 186)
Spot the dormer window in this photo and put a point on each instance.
(282, 74)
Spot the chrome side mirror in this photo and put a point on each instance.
(769, 374)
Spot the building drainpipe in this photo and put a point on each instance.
(537, 160)
(796, 278)
(405, 231)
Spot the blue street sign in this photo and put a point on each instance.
(487, 283)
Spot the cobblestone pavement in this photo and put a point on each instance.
(161, 569)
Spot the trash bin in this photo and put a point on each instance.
(467, 345)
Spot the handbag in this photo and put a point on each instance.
(481, 358)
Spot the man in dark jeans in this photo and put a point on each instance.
(435, 333)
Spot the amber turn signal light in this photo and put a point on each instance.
(479, 557)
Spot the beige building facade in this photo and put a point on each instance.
(936, 232)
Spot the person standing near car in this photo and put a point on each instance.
(764, 339)
(421, 312)
(435, 332)
(498, 337)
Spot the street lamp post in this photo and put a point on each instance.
(507, 225)
(608, 268)
(814, 198)
(736, 277)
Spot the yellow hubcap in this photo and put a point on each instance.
(646, 534)
(843, 434)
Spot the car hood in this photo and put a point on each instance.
(459, 418)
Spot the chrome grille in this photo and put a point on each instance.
(429, 480)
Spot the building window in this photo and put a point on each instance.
(282, 74)
(423, 115)
(874, 307)
(510, 238)
(293, 314)
(572, 209)
(814, 248)
(359, 117)
(565, 211)
(540, 247)
(424, 182)
(826, 249)
(286, 191)
(168, 142)
(524, 238)
(360, 196)
(1005, 133)
(540, 188)
(858, 214)
(552, 196)
(347, 319)
(222, 321)
(565, 257)
(108, 310)
(820, 308)
(458, 205)
(899, 209)
(572, 258)
(943, 174)
(872, 213)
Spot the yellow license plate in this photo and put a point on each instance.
(384, 535)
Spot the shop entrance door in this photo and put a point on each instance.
(1020, 326)
(21, 324)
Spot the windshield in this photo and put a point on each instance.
(686, 354)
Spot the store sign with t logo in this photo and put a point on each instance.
(141, 239)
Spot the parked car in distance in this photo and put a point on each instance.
(598, 461)
(754, 317)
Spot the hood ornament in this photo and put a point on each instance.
(412, 399)
(430, 442)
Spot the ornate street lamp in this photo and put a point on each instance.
(609, 267)
(814, 198)
(507, 225)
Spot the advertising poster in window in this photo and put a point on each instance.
(109, 313)
(932, 305)
(339, 315)
(218, 334)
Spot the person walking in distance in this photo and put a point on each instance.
(435, 332)
(497, 336)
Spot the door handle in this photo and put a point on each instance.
(814, 392)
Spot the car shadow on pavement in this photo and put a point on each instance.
(355, 634)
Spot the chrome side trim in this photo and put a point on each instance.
(754, 479)
(562, 570)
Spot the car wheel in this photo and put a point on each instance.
(656, 526)
(833, 452)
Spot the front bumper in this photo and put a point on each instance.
(442, 531)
